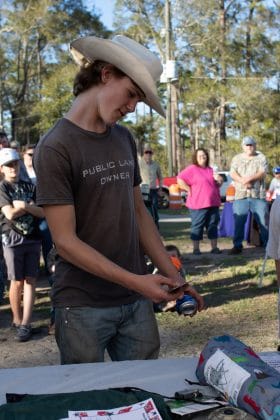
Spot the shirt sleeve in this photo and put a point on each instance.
(264, 164)
(234, 165)
(5, 199)
(54, 177)
(185, 175)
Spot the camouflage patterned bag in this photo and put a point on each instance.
(234, 369)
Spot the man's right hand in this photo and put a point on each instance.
(158, 288)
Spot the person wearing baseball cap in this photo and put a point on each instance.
(248, 171)
(151, 174)
(248, 141)
(19, 218)
(88, 182)
(8, 155)
(274, 186)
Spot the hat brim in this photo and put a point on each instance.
(92, 48)
(9, 161)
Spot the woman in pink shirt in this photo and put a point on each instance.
(203, 199)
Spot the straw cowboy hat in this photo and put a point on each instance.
(136, 61)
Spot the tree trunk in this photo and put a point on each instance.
(248, 53)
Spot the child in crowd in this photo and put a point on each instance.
(274, 187)
(19, 218)
(176, 260)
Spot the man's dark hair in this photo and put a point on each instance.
(90, 75)
(194, 156)
(4, 139)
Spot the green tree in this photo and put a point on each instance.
(36, 37)
(227, 45)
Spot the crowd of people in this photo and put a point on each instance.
(92, 205)
(201, 182)
(248, 172)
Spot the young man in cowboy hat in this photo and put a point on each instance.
(88, 183)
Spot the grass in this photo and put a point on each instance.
(229, 285)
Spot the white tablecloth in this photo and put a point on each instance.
(164, 376)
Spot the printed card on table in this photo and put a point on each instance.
(144, 410)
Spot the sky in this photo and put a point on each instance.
(105, 8)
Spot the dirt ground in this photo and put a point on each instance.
(42, 349)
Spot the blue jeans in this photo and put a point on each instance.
(259, 210)
(127, 332)
(204, 218)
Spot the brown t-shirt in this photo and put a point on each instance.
(96, 173)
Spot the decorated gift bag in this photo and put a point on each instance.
(247, 382)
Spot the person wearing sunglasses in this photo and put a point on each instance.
(30, 176)
(151, 174)
(27, 160)
(248, 171)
